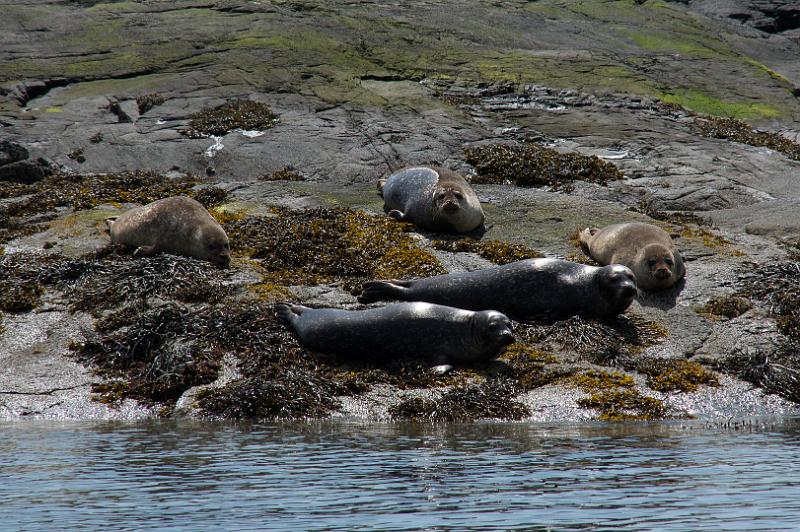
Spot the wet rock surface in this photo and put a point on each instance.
(357, 91)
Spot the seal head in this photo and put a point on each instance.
(493, 328)
(657, 267)
(617, 285)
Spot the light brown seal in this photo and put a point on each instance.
(177, 225)
(432, 198)
(524, 290)
(644, 248)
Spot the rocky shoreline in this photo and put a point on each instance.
(90, 333)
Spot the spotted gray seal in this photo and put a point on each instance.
(524, 290)
(644, 248)
(442, 335)
(432, 198)
(177, 225)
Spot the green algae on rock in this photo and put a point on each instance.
(493, 399)
(739, 131)
(534, 165)
(496, 251)
(591, 381)
(234, 114)
(322, 245)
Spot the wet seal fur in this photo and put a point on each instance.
(432, 198)
(442, 335)
(177, 225)
(644, 248)
(524, 290)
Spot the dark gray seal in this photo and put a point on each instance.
(177, 225)
(441, 335)
(524, 290)
(432, 198)
(644, 248)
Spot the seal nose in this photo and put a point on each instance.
(662, 273)
(628, 290)
(450, 207)
(224, 261)
(506, 337)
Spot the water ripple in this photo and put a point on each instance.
(352, 476)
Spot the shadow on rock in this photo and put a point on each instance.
(664, 299)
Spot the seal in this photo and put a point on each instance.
(524, 290)
(432, 198)
(177, 225)
(644, 248)
(441, 335)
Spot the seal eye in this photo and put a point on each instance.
(668, 262)
(458, 195)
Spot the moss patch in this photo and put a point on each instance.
(492, 399)
(495, 251)
(532, 368)
(534, 165)
(322, 245)
(235, 114)
(738, 131)
(592, 381)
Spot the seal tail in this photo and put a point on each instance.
(585, 236)
(373, 291)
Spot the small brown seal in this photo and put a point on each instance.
(432, 198)
(644, 248)
(524, 290)
(177, 225)
(442, 335)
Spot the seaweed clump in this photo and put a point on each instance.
(145, 102)
(673, 375)
(777, 286)
(323, 245)
(613, 394)
(739, 131)
(496, 251)
(606, 341)
(537, 166)
(284, 174)
(532, 368)
(730, 306)
(492, 399)
(234, 114)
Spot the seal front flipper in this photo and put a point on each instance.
(372, 291)
(400, 216)
(109, 222)
(145, 251)
(585, 236)
(287, 314)
(381, 183)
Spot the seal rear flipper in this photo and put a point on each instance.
(400, 216)
(373, 291)
(286, 314)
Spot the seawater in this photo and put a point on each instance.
(369, 476)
